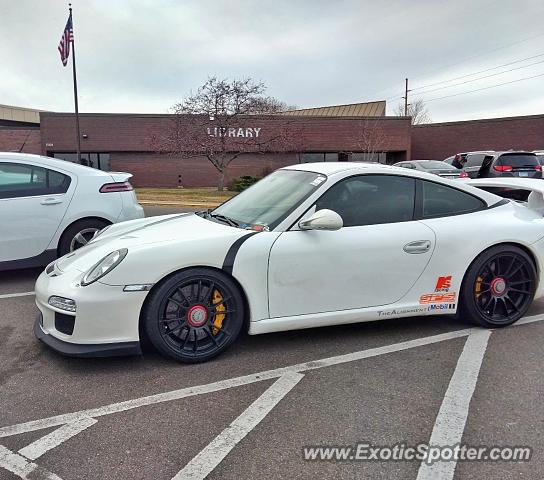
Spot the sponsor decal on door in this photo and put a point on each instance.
(437, 298)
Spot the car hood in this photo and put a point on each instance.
(145, 232)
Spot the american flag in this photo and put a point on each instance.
(67, 37)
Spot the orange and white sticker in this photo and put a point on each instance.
(437, 298)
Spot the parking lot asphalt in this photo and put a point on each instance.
(250, 412)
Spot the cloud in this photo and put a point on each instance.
(144, 55)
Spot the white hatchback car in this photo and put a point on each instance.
(49, 207)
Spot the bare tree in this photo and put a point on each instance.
(268, 105)
(372, 138)
(216, 122)
(417, 110)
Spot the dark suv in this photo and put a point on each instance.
(502, 164)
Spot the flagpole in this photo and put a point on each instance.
(75, 90)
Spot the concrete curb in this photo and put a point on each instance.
(173, 203)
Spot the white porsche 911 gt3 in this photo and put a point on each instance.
(307, 246)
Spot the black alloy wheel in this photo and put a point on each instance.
(194, 315)
(499, 286)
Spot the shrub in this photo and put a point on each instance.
(243, 182)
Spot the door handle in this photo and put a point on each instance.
(419, 246)
(51, 201)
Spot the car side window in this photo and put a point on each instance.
(57, 182)
(474, 160)
(371, 199)
(19, 180)
(441, 201)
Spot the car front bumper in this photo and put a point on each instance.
(83, 350)
(106, 320)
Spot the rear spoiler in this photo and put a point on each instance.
(535, 186)
(120, 176)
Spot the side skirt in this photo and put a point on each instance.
(344, 317)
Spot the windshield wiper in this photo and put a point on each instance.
(208, 214)
(222, 218)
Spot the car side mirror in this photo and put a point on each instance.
(322, 220)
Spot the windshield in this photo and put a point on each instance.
(433, 165)
(271, 199)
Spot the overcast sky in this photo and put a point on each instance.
(145, 55)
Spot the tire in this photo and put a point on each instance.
(194, 315)
(85, 229)
(498, 287)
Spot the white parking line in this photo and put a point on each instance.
(531, 319)
(455, 404)
(19, 466)
(55, 438)
(224, 384)
(211, 456)
(451, 419)
(13, 295)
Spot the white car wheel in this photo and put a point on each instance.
(79, 234)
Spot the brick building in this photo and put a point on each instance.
(440, 140)
(19, 130)
(357, 132)
(125, 142)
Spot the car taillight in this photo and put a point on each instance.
(463, 175)
(116, 187)
(503, 168)
(538, 168)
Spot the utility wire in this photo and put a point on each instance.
(485, 53)
(484, 88)
(481, 71)
(468, 59)
(479, 78)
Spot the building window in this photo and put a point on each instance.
(319, 157)
(312, 157)
(100, 161)
(379, 157)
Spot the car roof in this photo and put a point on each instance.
(477, 151)
(49, 162)
(428, 160)
(331, 168)
(496, 154)
(514, 152)
(328, 168)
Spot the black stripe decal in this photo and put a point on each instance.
(228, 264)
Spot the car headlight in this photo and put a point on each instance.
(104, 266)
